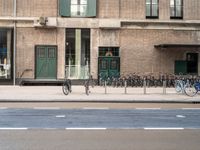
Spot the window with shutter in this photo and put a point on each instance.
(77, 8)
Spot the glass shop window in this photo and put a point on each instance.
(5, 53)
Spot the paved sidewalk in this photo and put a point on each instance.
(54, 94)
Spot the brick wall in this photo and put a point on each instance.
(27, 38)
(36, 8)
(139, 55)
(191, 10)
(108, 8)
(132, 9)
(6, 7)
(135, 9)
(126, 9)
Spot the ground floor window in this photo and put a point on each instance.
(77, 59)
(5, 53)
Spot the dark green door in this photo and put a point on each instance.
(109, 66)
(180, 67)
(46, 62)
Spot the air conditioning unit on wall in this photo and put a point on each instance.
(48, 22)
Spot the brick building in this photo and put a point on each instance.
(46, 40)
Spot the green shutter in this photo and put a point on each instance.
(64, 8)
(91, 8)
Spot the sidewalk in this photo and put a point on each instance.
(54, 94)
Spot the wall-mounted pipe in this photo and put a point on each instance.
(14, 41)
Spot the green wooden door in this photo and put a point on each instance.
(108, 66)
(180, 67)
(46, 62)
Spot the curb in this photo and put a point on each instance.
(97, 101)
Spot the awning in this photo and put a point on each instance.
(177, 45)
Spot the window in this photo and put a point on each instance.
(77, 8)
(5, 53)
(152, 9)
(176, 9)
(108, 51)
(77, 54)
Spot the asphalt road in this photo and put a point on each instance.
(100, 140)
(54, 128)
(101, 118)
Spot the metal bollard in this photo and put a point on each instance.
(164, 87)
(105, 85)
(125, 85)
(145, 87)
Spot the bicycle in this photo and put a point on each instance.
(180, 86)
(192, 89)
(67, 86)
(87, 84)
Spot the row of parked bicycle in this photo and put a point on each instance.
(137, 80)
(186, 84)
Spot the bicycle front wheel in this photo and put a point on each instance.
(190, 90)
(65, 89)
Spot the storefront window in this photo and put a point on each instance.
(77, 57)
(5, 53)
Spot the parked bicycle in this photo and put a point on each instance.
(67, 86)
(88, 82)
(192, 89)
(180, 85)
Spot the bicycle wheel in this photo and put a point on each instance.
(178, 87)
(190, 90)
(65, 89)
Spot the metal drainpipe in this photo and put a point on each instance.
(14, 41)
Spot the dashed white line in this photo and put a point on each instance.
(47, 108)
(13, 128)
(148, 108)
(86, 128)
(164, 128)
(191, 108)
(95, 108)
(180, 116)
(60, 116)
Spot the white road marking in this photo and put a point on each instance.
(86, 128)
(191, 108)
(148, 108)
(163, 128)
(47, 108)
(180, 116)
(13, 128)
(60, 116)
(50, 128)
(98, 108)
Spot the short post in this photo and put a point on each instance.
(105, 85)
(164, 87)
(125, 86)
(145, 86)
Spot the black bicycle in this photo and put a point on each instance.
(67, 86)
